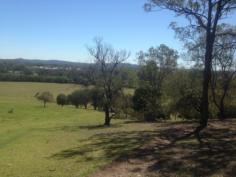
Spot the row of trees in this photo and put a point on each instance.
(163, 88)
(77, 98)
(158, 95)
(94, 97)
(82, 97)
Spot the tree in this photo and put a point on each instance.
(156, 65)
(142, 103)
(80, 97)
(107, 61)
(203, 15)
(97, 96)
(45, 97)
(84, 97)
(127, 104)
(74, 98)
(223, 71)
(183, 93)
(61, 99)
(223, 63)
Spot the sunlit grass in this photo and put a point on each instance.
(33, 139)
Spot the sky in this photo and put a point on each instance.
(61, 29)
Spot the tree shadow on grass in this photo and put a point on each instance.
(86, 127)
(113, 145)
(91, 127)
(186, 157)
(171, 151)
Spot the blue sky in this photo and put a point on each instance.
(60, 29)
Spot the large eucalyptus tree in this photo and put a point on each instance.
(203, 16)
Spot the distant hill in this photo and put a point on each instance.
(54, 63)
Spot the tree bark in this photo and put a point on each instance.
(107, 117)
(210, 40)
(222, 110)
(205, 88)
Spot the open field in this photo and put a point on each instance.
(69, 142)
(31, 138)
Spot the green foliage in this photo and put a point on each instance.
(156, 65)
(61, 99)
(188, 106)
(79, 97)
(183, 92)
(97, 97)
(139, 99)
(123, 105)
(127, 104)
(85, 97)
(146, 102)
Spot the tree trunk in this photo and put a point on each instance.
(205, 88)
(222, 110)
(107, 117)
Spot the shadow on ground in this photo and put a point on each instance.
(167, 150)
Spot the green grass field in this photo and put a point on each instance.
(69, 142)
(34, 140)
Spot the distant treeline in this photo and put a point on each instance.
(53, 71)
(32, 78)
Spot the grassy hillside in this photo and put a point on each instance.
(69, 142)
(31, 136)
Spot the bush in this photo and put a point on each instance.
(84, 97)
(74, 98)
(62, 99)
(96, 96)
(79, 97)
(147, 102)
(188, 105)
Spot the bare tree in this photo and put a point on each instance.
(107, 61)
(203, 15)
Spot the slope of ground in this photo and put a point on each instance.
(69, 142)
